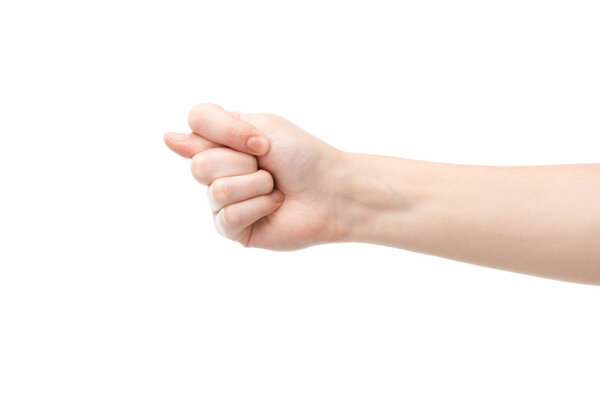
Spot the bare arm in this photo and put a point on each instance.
(541, 220)
(286, 189)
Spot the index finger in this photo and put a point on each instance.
(216, 124)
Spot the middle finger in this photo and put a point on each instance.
(221, 162)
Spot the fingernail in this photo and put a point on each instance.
(277, 196)
(258, 145)
(177, 137)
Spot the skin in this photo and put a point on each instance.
(273, 185)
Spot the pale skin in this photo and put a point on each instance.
(273, 185)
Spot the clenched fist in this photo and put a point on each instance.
(270, 183)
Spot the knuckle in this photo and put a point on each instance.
(231, 219)
(221, 191)
(198, 110)
(199, 168)
(272, 119)
(194, 113)
(267, 178)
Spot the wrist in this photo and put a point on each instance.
(372, 200)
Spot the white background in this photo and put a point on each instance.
(113, 282)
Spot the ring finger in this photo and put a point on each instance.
(233, 189)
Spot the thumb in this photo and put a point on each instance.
(220, 126)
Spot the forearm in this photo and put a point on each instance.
(542, 220)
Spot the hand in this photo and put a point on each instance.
(277, 191)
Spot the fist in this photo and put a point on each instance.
(270, 183)
(238, 193)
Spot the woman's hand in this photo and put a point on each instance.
(270, 183)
